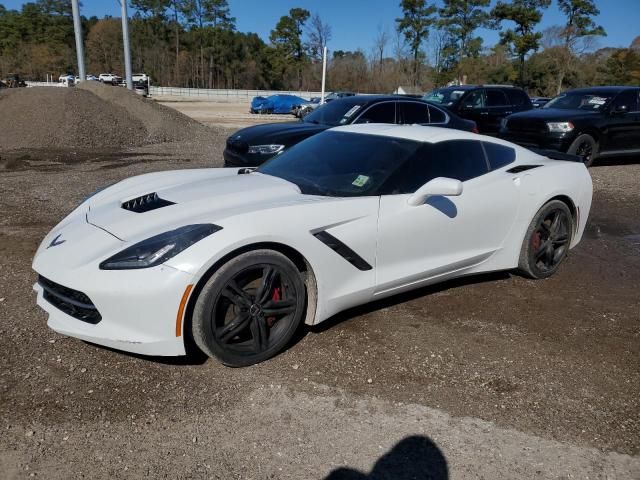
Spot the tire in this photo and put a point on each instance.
(546, 243)
(231, 316)
(585, 147)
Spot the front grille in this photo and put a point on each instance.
(526, 125)
(145, 203)
(237, 146)
(72, 302)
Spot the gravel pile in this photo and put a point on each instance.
(89, 116)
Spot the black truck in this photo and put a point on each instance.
(591, 122)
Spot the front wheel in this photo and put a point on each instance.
(584, 147)
(547, 241)
(249, 309)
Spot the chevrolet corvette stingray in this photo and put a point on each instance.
(234, 260)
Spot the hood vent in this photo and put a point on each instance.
(146, 203)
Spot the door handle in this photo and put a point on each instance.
(508, 113)
(484, 113)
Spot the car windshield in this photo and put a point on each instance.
(444, 96)
(580, 101)
(341, 164)
(338, 112)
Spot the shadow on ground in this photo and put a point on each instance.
(413, 458)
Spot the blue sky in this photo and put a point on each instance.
(354, 23)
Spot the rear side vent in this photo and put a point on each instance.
(145, 203)
(522, 168)
(343, 250)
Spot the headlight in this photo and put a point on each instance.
(156, 250)
(266, 149)
(560, 127)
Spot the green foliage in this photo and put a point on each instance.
(522, 39)
(460, 19)
(289, 52)
(417, 18)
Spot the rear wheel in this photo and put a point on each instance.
(249, 309)
(585, 147)
(547, 241)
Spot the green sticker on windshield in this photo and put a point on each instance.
(360, 181)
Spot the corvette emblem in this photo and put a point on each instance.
(55, 242)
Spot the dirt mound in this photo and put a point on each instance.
(90, 116)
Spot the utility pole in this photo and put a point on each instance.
(77, 28)
(324, 72)
(125, 42)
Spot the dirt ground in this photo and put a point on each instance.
(493, 377)
(213, 114)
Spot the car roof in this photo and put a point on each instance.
(471, 87)
(418, 133)
(367, 99)
(603, 90)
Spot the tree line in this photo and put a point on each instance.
(195, 43)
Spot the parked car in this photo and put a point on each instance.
(281, 103)
(591, 122)
(237, 260)
(306, 108)
(111, 78)
(539, 102)
(254, 145)
(140, 78)
(68, 80)
(486, 105)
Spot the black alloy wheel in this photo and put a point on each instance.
(584, 147)
(250, 308)
(547, 241)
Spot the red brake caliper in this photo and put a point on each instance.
(536, 241)
(276, 298)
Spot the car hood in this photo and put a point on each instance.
(174, 199)
(553, 114)
(264, 134)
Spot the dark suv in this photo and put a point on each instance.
(253, 146)
(589, 122)
(486, 105)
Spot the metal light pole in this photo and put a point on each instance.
(125, 42)
(77, 28)
(324, 72)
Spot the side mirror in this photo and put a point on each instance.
(447, 187)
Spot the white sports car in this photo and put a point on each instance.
(236, 260)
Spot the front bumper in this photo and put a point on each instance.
(236, 160)
(138, 308)
(552, 141)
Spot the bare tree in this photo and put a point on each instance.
(319, 34)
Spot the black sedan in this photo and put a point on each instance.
(589, 122)
(253, 146)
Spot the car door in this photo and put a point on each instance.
(498, 107)
(446, 234)
(472, 107)
(410, 113)
(381, 112)
(622, 132)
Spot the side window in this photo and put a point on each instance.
(474, 99)
(380, 113)
(517, 97)
(436, 115)
(496, 98)
(413, 112)
(459, 159)
(628, 98)
(499, 155)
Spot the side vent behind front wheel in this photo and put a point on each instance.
(522, 168)
(343, 250)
